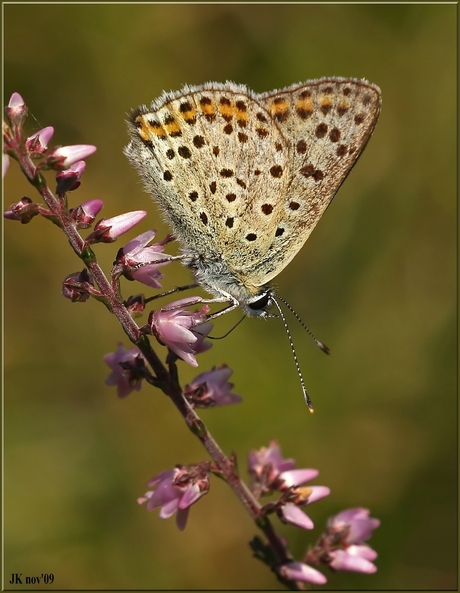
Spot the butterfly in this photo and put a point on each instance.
(243, 178)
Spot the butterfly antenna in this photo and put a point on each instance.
(299, 372)
(320, 344)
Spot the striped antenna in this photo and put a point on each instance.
(299, 372)
(320, 344)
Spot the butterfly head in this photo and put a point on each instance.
(256, 306)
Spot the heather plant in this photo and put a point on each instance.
(171, 335)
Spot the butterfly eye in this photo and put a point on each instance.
(261, 302)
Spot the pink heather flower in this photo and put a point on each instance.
(37, 144)
(16, 101)
(342, 547)
(212, 389)
(354, 559)
(69, 179)
(65, 156)
(298, 571)
(289, 511)
(108, 230)
(85, 214)
(76, 287)
(269, 471)
(181, 331)
(176, 490)
(5, 164)
(269, 460)
(23, 211)
(357, 523)
(16, 110)
(128, 370)
(142, 263)
(347, 531)
(297, 477)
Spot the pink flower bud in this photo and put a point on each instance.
(76, 286)
(65, 156)
(108, 230)
(128, 370)
(290, 513)
(139, 261)
(23, 211)
(16, 101)
(85, 214)
(297, 477)
(341, 545)
(69, 179)
(266, 465)
(354, 559)
(38, 143)
(298, 571)
(16, 110)
(357, 523)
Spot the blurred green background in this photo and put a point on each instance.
(376, 282)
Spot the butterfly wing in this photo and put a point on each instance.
(326, 124)
(217, 166)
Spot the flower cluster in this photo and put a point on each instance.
(212, 388)
(140, 261)
(271, 473)
(179, 329)
(176, 490)
(36, 155)
(342, 547)
(36, 146)
(128, 370)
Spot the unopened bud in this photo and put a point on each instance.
(16, 110)
(38, 143)
(108, 230)
(23, 211)
(69, 179)
(85, 214)
(65, 156)
(76, 286)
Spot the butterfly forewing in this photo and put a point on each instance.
(220, 168)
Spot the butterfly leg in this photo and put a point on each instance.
(171, 291)
(231, 307)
